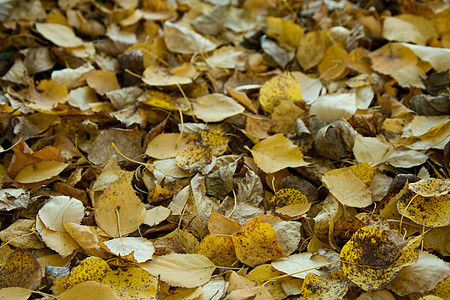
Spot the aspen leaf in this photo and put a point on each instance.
(332, 107)
(166, 145)
(184, 270)
(288, 196)
(215, 140)
(408, 28)
(375, 256)
(60, 242)
(400, 62)
(437, 57)
(348, 189)
(426, 211)
(16, 293)
(156, 215)
(311, 49)
(49, 96)
(61, 35)
(215, 107)
(297, 263)
(88, 238)
(431, 187)
(89, 290)
(40, 171)
(332, 65)
(21, 270)
(90, 269)
(156, 76)
(103, 81)
(18, 235)
(256, 243)
(193, 159)
(136, 249)
(316, 287)
(283, 86)
(276, 153)
(132, 283)
(60, 210)
(119, 204)
(184, 40)
(262, 275)
(218, 249)
(422, 276)
(285, 31)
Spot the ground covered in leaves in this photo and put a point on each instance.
(210, 149)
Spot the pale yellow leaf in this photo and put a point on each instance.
(89, 290)
(184, 270)
(140, 248)
(348, 189)
(60, 210)
(40, 171)
(276, 153)
(215, 107)
(60, 35)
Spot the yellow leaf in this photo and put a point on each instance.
(88, 239)
(283, 30)
(332, 65)
(430, 187)
(276, 153)
(103, 81)
(40, 171)
(373, 256)
(21, 270)
(280, 87)
(18, 235)
(132, 283)
(90, 269)
(166, 145)
(301, 264)
(156, 76)
(159, 99)
(193, 159)
(261, 274)
(400, 62)
(317, 288)
(256, 243)
(215, 107)
(16, 293)
(426, 211)
(61, 35)
(288, 196)
(119, 207)
(89, 290)
(215, 140)
(219, 249)
(184, 270)
(310, 50)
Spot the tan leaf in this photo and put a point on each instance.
(215, 107)
(185, 270)
(276, 153)
(119, 207)
(61, 35)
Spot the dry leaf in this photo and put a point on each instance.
(136, 249)
(276, 153)
(215, 107)
(61, 35)
(185, 270)
(301, 264)
(21, 270)
(119, 208)
(256, 243)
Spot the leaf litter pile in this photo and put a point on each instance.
(224, 149)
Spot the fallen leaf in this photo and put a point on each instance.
(185, 270)
(256, 243)
(21, 270)
(119, 208)
(276, 153)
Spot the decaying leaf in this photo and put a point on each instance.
(373, 256)
(256, 243)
